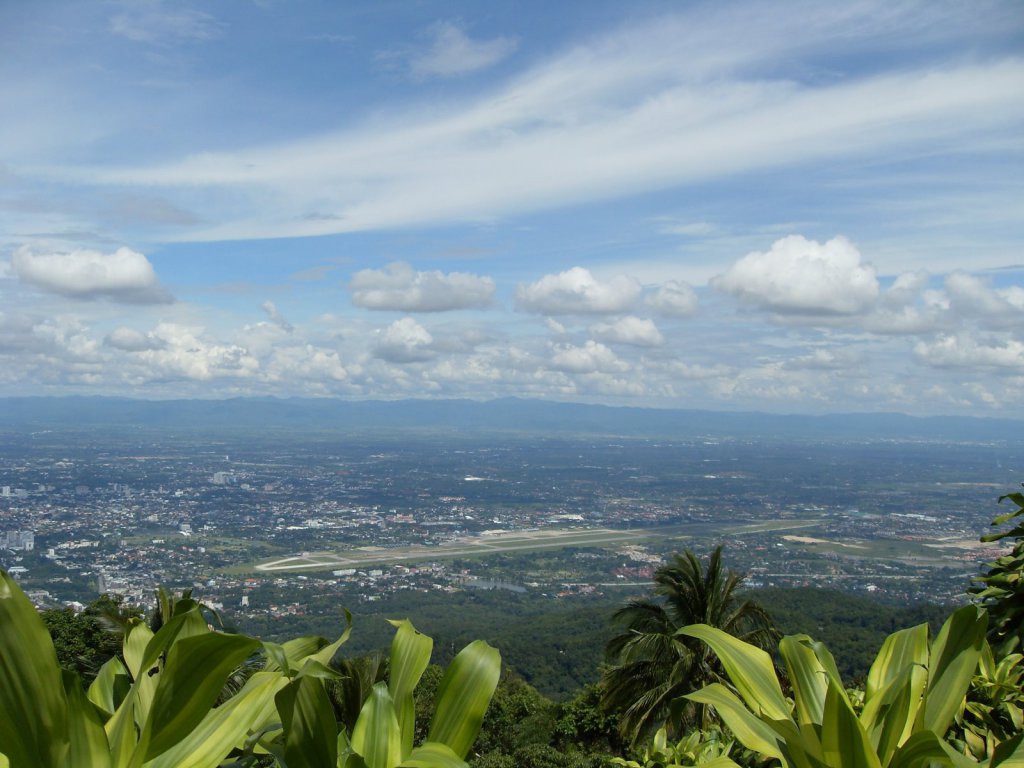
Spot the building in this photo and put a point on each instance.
(19, 541)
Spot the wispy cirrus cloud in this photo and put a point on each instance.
(452, 52)
(658, 105)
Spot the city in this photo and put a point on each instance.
(294, 524)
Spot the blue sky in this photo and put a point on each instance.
(797, 207)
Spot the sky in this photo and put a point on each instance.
(796, 207)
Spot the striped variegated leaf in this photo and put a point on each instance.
(87, 739)
(844, 743)
(900, 649)
(463, 696)
(410, 655)
(433, 755)
(227, 726)
(192, 678)
(376, 735)
(952, 660)
(750, 670)
(310, 731)
(752, 731)
(33, 707)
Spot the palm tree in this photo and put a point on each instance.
(651, 667)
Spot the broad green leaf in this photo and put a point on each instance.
(430, 754)
(410, 655)
(325, 654)
(954, 758)
(951, 664)
(890, 716)
(146, 679)
(310, 731)
(719, 762)
(277, 659)
(122, 735)
(1009, 754)
(313, 668)
(900, 649)
(808, 676)
(184, 624)
(463, 696)
(752, 731)
(4, 762)
(134, 647)
(110, 686)
(289, 655)
(88, 740)
(193, 677)
(750, 670)
(33, 707)
(844, 743)
(227, 726)
(376, 735)
(919, 751)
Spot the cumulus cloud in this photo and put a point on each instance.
(276, 317)
(131, 340)
(825, 360)
(306, 362)
(577, 291)
(399, 287)
(592, 357)
(801, 276)
(963, 351)
(673, 298)
(173, 352)
(452, 52)
(969, 295)
(405, 341)
(635, 331)
(124, 275)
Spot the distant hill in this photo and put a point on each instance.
(507, 415)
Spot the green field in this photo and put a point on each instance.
(522, 541)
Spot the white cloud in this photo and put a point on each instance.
(405, 341)
(964, 351)
(1014, 296)
(675, 101)
(801, 276)
(183, 352)
(306, 363)
(826, 360)
(590, 358)
(576, 291)
(399, 287)
(671, 226)
(674, 298)
(276, 317)
(969, 295)
(124, 275)
(131, 340)
(634, 331)
(452, 52)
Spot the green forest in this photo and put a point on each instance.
(698, 671)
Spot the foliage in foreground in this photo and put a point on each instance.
(914, 691)
(157, 708)
(1001, 589)
(653, 665)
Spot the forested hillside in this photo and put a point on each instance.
(559, 646)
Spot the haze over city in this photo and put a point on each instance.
(813, 207)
